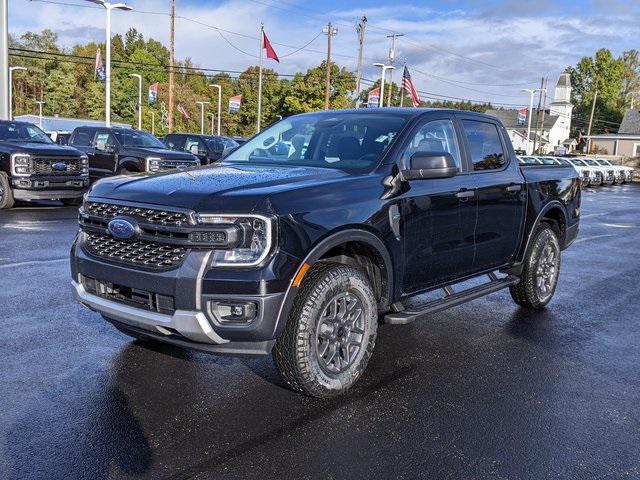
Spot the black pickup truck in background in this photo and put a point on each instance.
(121, 151)
(307, 236)
(32, 167)
(208, 148)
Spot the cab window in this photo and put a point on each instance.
(82, 138)
(195, 145)
(436, 136)
(487, 152)
(103, 140)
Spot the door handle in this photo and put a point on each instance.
(514, 188)
(466, 193)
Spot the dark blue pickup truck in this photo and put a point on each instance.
(302, 240)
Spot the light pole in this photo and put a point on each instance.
(4, 60)
(139, 77)
(383, 74)
(202, 104)
(211, 116)
(531, 92)
(215, 85)
(108, 6)
(153, 122)
(11, 70)
(40, 104)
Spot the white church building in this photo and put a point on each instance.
(554, 134)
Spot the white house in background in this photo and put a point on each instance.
(555, 133)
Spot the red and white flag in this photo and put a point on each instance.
(183, 112)
(409, 87)
(99, 71)
(271, 53)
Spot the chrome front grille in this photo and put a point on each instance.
(143, 215)
(45, 166)
(139, 253)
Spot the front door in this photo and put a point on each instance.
(500, 191)
(104, 154)
(438, 215)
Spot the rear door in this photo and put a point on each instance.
(500, 192)
(438, 215)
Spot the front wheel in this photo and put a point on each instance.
(330, 333)
(6, 196)
(541, 270)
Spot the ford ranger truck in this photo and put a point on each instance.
(32, 167)
(304, 239)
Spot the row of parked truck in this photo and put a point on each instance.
(34, 167)
(592, 171)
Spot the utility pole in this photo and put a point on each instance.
(4, 60)
(330, 32)
(392, 61)
(593, 109)
(362, 24)
(172, 58)
(40, 103)
(543, 93)
(535, 138)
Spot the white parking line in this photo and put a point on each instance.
(33, 262)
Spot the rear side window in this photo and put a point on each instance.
(82, 138)
(485, 145)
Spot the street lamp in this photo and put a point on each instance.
(40, 104)
(214, 85)
(139, 77)
(108, 6)
(202, 104)
(531, 92)
(211, 116)
(11, 70)
(383, 69)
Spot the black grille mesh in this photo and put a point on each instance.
(139, 253)
(146, 215)
(44, 166)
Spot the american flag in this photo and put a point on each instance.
(409, 87)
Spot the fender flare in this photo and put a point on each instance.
(136, 162)
(322, 247)
(551, 204)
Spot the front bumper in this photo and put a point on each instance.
(48, 188)
(191, 286)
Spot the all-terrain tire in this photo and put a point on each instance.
(538, 270)
(6, 196)
(300, 353)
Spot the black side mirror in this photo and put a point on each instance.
(430, 165)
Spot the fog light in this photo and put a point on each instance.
(233, 312)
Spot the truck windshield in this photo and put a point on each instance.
(577, 162)
(353, 142)
(134, 138)
(22, 132)
(591, 163)
(603, 163)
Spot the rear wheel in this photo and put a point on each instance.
(330, 333)
(541, 270)
(6, 196)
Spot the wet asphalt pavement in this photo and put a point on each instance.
(486, 390)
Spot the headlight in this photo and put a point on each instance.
(254, 244)
(84, 165)
(20, 164)
(153, 164)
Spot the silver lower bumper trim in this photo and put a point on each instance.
(191, 324)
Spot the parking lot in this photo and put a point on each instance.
(486, 390)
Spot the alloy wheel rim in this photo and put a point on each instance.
(340, 333)
(547, 270)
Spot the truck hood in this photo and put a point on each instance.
(163, 153)
(213, 188)
(38, 149)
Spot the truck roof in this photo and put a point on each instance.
(407, 112)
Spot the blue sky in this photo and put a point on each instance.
(474, 49)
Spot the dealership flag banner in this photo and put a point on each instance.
(409, 87)
(265, 44)
(183, 112)
(234, 104)
(99, 72)
(522, 115)
(373, 100)
(153, 93)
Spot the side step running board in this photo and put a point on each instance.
(451, 299)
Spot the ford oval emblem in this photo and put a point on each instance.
(123, 228)
(59, 167)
